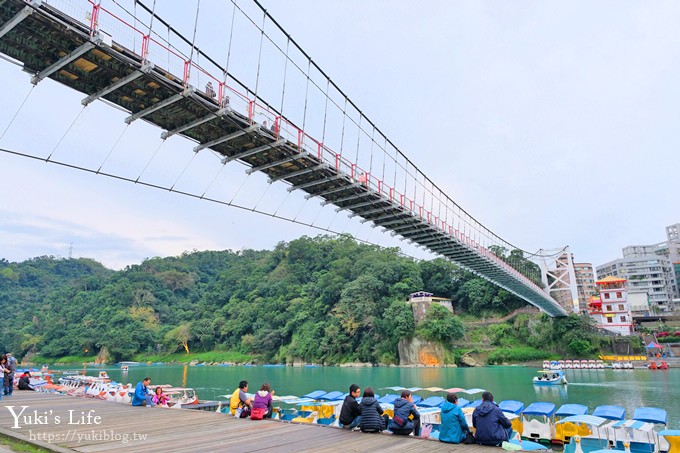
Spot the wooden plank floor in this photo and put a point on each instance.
(175, 430)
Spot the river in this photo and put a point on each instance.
(628, 388)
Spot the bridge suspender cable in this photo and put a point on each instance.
(17, 112)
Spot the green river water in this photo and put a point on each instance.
(628, 388)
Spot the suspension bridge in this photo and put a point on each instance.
(120, 57)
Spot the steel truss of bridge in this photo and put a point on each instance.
(51, 44)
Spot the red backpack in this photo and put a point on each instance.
(258, 413)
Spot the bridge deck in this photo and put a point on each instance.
(49, 37)
(171, 430)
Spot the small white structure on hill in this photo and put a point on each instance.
(421, 301)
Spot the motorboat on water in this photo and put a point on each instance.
(550, 377)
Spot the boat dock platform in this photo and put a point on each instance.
(65, 424)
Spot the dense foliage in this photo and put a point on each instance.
(322, 299)
(538, 337)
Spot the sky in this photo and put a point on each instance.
(552, 123)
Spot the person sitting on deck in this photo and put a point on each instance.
(142, 396)
(350, 414)
(454, 427)
(492, 426)
(263, 403)
(401, 424)
(160, 398)
(239, 398)
(372, 418)
(25, 381)
(210, 91)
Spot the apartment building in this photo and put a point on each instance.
(585, 284)
(650, 269)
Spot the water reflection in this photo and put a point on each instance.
(553, 393)
(629, 388)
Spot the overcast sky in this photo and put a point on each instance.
(553, 123)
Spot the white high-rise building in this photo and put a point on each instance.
(650, 269)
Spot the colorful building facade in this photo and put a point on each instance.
(610, 309)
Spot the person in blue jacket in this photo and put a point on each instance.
(454, 426)
(142, 395)
(492, 426)
(403, 408)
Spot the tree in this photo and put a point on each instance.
(180, 336)
(440, 325)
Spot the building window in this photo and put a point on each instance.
(609, 308)
(606, 295)
(621, 307)
(609, 320)
(619, 295)
(623, 319)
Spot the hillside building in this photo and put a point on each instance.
(421, 301)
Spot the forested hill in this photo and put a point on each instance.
(322, 299)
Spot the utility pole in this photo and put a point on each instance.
(70, 250)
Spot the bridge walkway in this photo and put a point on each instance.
(52, 44)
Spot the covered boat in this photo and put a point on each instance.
(550, 377)
(516, 408)
(585, 444)
(538, 421)
(566, 430)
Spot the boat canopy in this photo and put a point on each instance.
(540, 408)
(512, 406)
(670, 433)
(330, 396)
(315, 395)
(454, 390)
(610, 412)
(473, 391)
(651, 415)
(433, 401)
(462, 402)
(475, 403)
(300, 401)
(434, 389)
(388, 399)
(631, 424)
(587, 419)
(566, 410)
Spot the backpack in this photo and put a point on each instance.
(258, 413)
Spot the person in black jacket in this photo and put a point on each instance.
(492, 426)
(25, 381)
(350, 414)
(372, 418)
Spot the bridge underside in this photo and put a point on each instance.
(52, 44)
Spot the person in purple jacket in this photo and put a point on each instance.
(262, 403)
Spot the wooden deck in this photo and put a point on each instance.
(171, 430)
